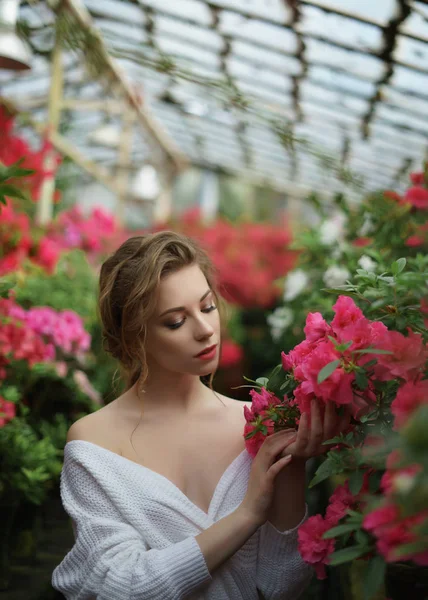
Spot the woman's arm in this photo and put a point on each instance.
(111, 560)
(288, 505)
(220, 541)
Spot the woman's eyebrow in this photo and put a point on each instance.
(178, 308)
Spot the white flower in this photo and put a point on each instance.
(295, 283)
(335, 276)
(338, 250)
(367, 263)
(332, 230)
(403, 483)
(367, 227)
(279, 320)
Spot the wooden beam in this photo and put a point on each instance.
(125, 152)
(108, 106)
(155, 133)
(45, 204)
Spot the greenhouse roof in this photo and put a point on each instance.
(295, 93)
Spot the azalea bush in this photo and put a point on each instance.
(383, 227)
(16, 150)
(371, 357)
(249, 257)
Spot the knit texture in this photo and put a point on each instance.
(135, 536)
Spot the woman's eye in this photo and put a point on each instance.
(174, 325)
(209, 308)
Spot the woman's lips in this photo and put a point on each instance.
(208, 353)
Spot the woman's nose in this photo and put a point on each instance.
(204, 329)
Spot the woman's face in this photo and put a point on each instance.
(186, 323)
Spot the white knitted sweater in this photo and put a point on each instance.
(135, 536)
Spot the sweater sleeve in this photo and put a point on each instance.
(110, 559)
(281, 572)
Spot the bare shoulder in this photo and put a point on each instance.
(95, 427)
(235, 404)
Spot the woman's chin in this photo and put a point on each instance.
(207, 369)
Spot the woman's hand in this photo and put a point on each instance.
(309, 439)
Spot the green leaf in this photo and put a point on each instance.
(373, 351)
(412, 548)
(327, 370)
(327, 468)
(361, 379)
(5, 286)
(262, 381)
(12, 191)
(347, 554)
(398, 266)
(340, 530)
(361, 537)
(374, 482)
(373, 577)
(356, 481)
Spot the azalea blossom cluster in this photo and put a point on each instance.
(390, 526)
(19, 243)
(7, 411)
(39, 335)
(347, 345)
(13, 148)
(60, 330)
(249, 258)
(72, 229)
(357, 362)
(416, 199)
(313, 547)
(18, 341)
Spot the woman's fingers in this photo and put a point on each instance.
(345, 419)
(317, 430)
(330, 421)
(273, 446)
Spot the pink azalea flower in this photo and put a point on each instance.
(7, 411)
(380, 518)
(312, 547)
(417, 178)
(417, 196)
(409, 397)
(409, 355)
(262, 400)
(392, 531)
(316, 327)
(297, 355)
(339, 502)
(337, 386)
(254, 443)
(347, 312)
(231, 354)
(303, 398)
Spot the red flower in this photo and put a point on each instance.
(409, 397)
(231, 354)
(312, 547)
(417, 196)
(417, 178)
(316, 327)
(7, 411)
(408, 355)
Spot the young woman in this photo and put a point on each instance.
(165, 501)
